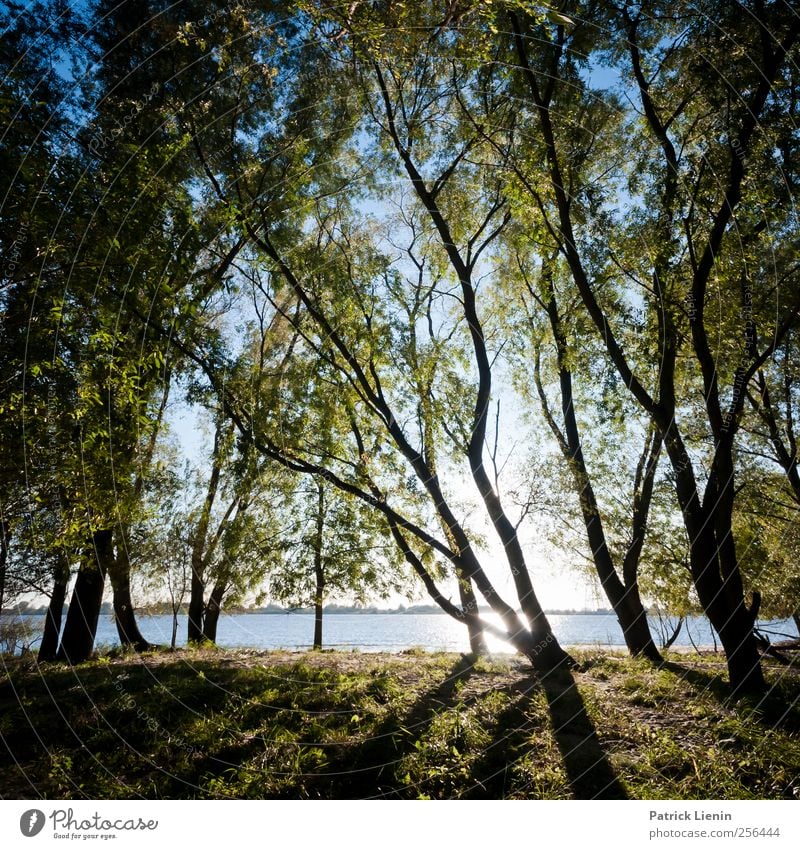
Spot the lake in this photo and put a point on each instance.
(393, 632)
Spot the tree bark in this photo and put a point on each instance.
(713, 563)
(674, 635)
(539, 644)
(213, 608)
(542, 646)
(318, 600)
(477, 643)
(5, 535)
(52, 621)
(623, 594)
(319, 568)
(77, 641)
(194, 633)
(198, 584)
(119, 571)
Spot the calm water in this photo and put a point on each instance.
(395, 632)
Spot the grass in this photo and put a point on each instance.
(222, 724)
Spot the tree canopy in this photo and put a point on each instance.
(446, 277)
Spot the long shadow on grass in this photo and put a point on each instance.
(515, 726)
(369, 771)
(777, 708)
(589, 773)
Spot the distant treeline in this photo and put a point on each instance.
(164, 609)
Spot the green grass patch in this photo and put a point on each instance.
(214, 724)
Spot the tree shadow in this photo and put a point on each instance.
(776, 708)
(589, 772)
(426, 733)
(370, 771)
(367, 772)
(493, 771)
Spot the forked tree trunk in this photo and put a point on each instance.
(55, 610)
(537, 642)
(715, 572)
(80, 629)
(674, 635)
(119, 572)
(622, 593)
(477, 643)
(213, 608)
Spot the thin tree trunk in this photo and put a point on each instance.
(318, 601)
(124, 612)
(714, 572)
(542, 646)
(198, 585)
(675, 633)
(52, 621)
(319, 569)
(213, 608)
(77, 641)
(796, 620)
(194, 632)
(5, 535)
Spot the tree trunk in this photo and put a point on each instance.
(198, 585)
(623, 595)
(52, 620)
(735, 622)
(80, 629)
(213, 608)
(675, 634)
(477, 643)
(741, 653)
(538, 643)
(119, 571)
(796, 619)
(319, 569)
(727, 613)
(635, 627)
(318, 598)
(5, 534)
(714, 568)
(194, 632)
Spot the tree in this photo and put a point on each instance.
(693, 220)
(614, 528)
(233, 546)
(338, 549)
(38, 386)
(155, 253)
